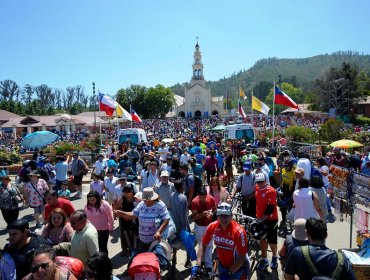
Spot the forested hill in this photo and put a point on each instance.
(299, 71)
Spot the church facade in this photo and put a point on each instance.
(198, 101)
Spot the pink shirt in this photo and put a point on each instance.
(102, 218)
(58, 235)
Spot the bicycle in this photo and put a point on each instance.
(254, 251)
(236, 205)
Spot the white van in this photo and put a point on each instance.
(239, 131)
(135, 135)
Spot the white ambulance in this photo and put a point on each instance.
(239, 131)
(133, 135)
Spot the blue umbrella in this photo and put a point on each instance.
(39, 139)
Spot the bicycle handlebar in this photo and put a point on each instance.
(251, 219)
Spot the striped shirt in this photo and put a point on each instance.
(150, 219)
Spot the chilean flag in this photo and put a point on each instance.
(107, 104)
(241, 111)
(135, 116)
(283, 99)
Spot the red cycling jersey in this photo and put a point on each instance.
(229, 242)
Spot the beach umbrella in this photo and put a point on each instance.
(39, 139)
(345, 144)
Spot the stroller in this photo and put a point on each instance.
(148, 265)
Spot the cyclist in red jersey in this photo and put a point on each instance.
(231, 243)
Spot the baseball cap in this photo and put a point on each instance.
(223, 209)
(260, 177)
(165, 173)
(246, 166)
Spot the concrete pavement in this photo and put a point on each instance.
(339, 235)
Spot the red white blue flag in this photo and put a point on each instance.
(283, 99)
(135, 116)
(241, 111)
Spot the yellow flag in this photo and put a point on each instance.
(259, 106)
(242, 94)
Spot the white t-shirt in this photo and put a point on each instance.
(163, 152)
(99, 166)
(184, 159)
(306, 165)
(110, 184)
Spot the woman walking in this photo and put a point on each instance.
(99, 213)
(9, 199)
(34, 191)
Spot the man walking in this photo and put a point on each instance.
(316, 259)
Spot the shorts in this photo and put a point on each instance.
(272, 229)
(77, 180)
(38, 209)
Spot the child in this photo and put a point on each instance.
(64, 192)
(52, 180)
(96, 185)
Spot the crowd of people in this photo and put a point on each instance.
(160, 191)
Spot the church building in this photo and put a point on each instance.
(198, 100)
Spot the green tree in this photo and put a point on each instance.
(300, 134)
(9, 90)
(133, 96)
(158, 102)
(294, 93)
(332, 130)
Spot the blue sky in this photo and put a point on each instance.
(117, 43)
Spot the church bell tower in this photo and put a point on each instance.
(197, 77)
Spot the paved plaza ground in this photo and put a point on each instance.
(339, 237)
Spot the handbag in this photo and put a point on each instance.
(84, 171)
(43, 199)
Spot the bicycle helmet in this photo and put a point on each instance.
(288, 161)
(258, 230)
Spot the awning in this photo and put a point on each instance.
(7, 129)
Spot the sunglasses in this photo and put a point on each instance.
(224, 208)
(37, 267)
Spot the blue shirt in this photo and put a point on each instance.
(365, 169)
(61, 169)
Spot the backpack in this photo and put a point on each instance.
(335, 274)
(70, 265)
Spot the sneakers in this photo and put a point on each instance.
(263, 264)
(330, 218)
(274, 263)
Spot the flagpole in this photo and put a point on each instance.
(239, 103)
(252, 109)
(227, 99)
(131, 115)
(101, 139)
(273, 118)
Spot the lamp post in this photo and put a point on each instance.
(93, 84)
